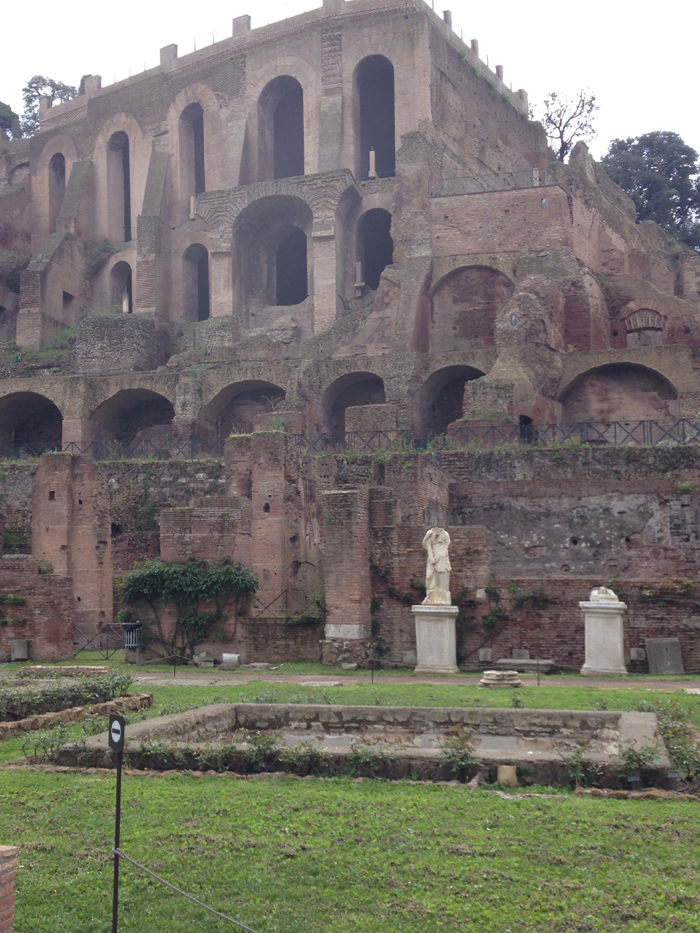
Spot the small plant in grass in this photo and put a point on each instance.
(517, 701)
(633, 759)
(42, 746)
(581, 770)
(601, 704)
(264, 752)
(366, 757)
(304, 758)
(459, 750)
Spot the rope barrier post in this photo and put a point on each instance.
(117, 727)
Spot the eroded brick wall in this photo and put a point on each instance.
(45, 618)
(8, 874)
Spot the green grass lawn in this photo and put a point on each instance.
(333, 856)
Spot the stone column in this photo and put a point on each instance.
(221, 278)
(603, 616)
(324, 271)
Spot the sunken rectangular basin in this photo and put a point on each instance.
(413, 735)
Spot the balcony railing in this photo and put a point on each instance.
(500, 181)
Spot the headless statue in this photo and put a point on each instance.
(437, 573)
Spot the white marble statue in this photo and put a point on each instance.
(601, 594)
(437, 573)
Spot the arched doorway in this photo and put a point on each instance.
(375, 247)
(57, 188)
(352, 389)
(30, 421)
(195, 283)
(135, 414)
(120, 287)
(464, 308)
(192, 158)
(441, 398)
(375, 128)
(234, 409)
(119, 187)
(281, 129)
(620, 392)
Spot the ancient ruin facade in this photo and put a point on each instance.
(337, 233)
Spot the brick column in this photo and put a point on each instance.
(8, 873)
(345, 523)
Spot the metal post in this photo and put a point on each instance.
(117, 830)
(538, 672)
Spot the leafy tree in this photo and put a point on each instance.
(9, 121)
(36, 88)
(568, 121)
(189, 587)
(662, 176)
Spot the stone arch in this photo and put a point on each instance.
(121, 292)
(112, 201)
(57, 188)
(281, 129)
(375, 117)
(441, 398)
(357, 388)
(464, 306)
(375, 247)
(236, 407)
(644, 327)
(47, 188)
(30, 420)
(620, 392)
(192, 117)
(134, 415)
(195, 283)
(271, 248)
(308, 79)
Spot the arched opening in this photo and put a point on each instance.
(119, 187)
(120, 287)
(645, 328)
(464, 308)
(620, 392)
(135, 414)
(31, 421)
(291, 284)
(192, 171)
(237, 407)
(281, 128)
(271, 252)
(441, 399)
(57, 188)
(375, 130)
(195, 283)
(350, 390)
(375, 248)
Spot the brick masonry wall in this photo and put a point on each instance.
(113, 343)
(47, 614)
(8, 875)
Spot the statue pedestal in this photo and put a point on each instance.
(436, 647)
(605, 639)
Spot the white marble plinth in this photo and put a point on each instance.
(605, 638)
(436, 647)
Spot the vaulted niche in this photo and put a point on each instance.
(464, 308)
(375, 248)
(57, 188)
(195, 283)
(374, 124)
(441, 399)
(271, 252)
(192, 174)
(135, 414)
(620, 392)
(119, 188)
(120, 287)
(30, 420)
(281, 129)
(235, 409)
(352, 389)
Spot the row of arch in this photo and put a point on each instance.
(613, 392)
(281, 145)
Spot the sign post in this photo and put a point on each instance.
(117, 728)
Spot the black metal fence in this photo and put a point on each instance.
(679, 433)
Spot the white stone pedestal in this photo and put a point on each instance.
(436, 647)
(605, 641)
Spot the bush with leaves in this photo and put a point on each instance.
(191, 587)
(458, 748)
(680, 738)
(57, 696)
(581, 770)
(633, 759)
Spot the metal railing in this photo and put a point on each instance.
(593, 433)
(186, 449)
(498, 181)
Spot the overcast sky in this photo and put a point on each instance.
(639, 59)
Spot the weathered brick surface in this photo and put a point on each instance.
(47, 615)
(8, 874)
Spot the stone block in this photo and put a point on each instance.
(638, 654)
(507, 775)
(500, 679)
(521, 654)
(4, 657)
(19, 649)
(664, 655)
(485, 655)
(230, 662)
(409, 658)
(435, 639)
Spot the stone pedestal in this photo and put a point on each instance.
(605, 642)
(436, 646)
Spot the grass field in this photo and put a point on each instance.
(334, 856)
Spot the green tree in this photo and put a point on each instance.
(567, 121)
(661, 174)
(9, 121)
(191, 588)
(36, 88)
